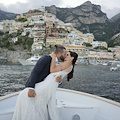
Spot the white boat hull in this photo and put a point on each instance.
(25, 62)
(113, 68)
(31, 61)
(72, 105)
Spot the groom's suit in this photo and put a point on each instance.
(40, 71)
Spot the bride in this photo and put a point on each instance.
(43, 105)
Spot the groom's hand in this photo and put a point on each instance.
(59, 79)
(31, 93)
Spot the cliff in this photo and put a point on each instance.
(13, 56)
(6, 15)
(86, 18)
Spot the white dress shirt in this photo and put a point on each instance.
(56, 61)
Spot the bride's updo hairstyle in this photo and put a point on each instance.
(75, 55)
(59, 49)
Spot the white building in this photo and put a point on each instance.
(36, 46)
(38, 22)
(72, 35)
(49, 17)
(25, 30)
(68, 26)
(38, 43)
(38, 39)
(87, 38)
(75, 38)
(37, 17)
(1, 27)
(99, 44)
(15, 39)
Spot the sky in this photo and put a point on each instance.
(110, 7)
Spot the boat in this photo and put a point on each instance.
(113, 68)
(118, 65)
(105, 63)
(93, 62)
(72, 105)
(31, 61)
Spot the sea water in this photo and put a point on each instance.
(93, 79)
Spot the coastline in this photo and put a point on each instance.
(11, 57)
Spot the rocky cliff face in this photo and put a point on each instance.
(115, 18)
(86, 13)
(113, 29)
(13, 56)
(115, 40)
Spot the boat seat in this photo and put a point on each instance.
(67, 104)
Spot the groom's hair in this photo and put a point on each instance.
(59, 49)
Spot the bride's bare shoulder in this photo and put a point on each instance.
(65, 65)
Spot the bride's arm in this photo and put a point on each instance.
(57, 68)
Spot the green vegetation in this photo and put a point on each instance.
(87, 44)
(29, 53)
(21, 19)
(1, 33)
(37, 11)
(94, 40)
(29, 26)
(6, 43)
(111, 43)
(5, 38)
(109, 51)
(51, 35)
(24, 42)
(101, 48)
(44, 40)
(18, 33)
(11, 48)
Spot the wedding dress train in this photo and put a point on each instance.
(43, 105)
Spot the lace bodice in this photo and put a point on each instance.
(63, 72)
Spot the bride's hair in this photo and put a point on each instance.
(59, 49)
(75, 55)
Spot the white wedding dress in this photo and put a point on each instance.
(43, 105)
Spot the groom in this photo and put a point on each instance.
(42, 69)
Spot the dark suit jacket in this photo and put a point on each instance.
(40, 71)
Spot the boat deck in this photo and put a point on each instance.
(72, 105)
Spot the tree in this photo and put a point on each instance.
(109, 51)
(22, 19)
(11, 48)
(1, 33)
(29, 43)
(27, 33)
(87, 44)
(19, 41)
(5, 38)
(44, 40)
(18, 33)
(101, 47)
